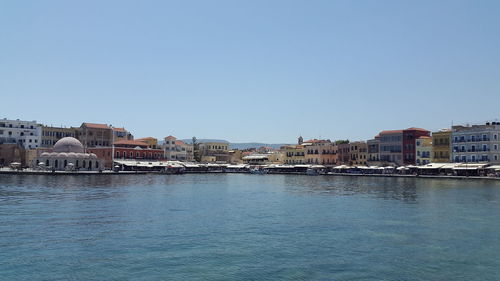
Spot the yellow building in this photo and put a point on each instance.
(152, 142)
(423, 147)
(441, 148)
(358, 153)
(294, 154)
(217, 152)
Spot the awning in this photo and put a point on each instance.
(239, 166)
(432, 166)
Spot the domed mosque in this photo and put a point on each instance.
(68, 154)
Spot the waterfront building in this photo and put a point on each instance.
(358, 153)
(423, 147)
(373, 146)
(68, 153)
(152, 142)
(391, 146)
(177, 150)
(30, 157)
(410, 136)
(28, 134)
(343, 153)
(263, 158)
(236, 156)
(214, 152)
(95, 135)
(294, 154)
(320, 152)
(121, 134)
(441, 146)
(398, 146)
(50, 135)
(10, 153)
(476, 143)
(127, 150)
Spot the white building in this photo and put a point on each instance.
(177, 150)
(476, 143)
(25, 133)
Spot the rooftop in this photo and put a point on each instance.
(96, 126)
(416, 129)
(131, 143)
(390, 132)
(119, 129)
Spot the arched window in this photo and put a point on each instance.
(84, 164)
(56, 164)
(65, 163)
(47, 163)
(76, 166)
(90, 165)
(96, 164)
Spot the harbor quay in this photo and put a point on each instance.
(443, 171)
(95, 148)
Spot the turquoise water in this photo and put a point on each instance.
(247, 227)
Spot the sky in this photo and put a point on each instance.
(260, 70)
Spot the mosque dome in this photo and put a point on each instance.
(68, 144)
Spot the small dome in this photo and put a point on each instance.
(72, 154)
(68, 144)
(62, 155)
(53, 154)
(93, 156)
(45, 154)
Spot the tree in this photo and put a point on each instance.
(196, 150)
(341, 141)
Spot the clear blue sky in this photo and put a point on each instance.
(251, 70)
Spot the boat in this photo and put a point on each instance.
(257, 171)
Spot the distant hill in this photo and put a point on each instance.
(246, 145)
(190, 141)
(240, 145)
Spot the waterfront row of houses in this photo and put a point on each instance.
(25, 141)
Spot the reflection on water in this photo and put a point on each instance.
(247, 227)
(387, 188)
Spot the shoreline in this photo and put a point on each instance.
(108, 172)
